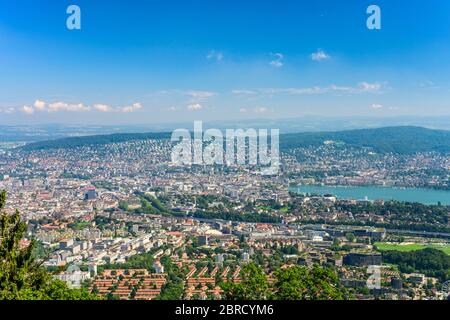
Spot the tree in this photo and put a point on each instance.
(254, 285)
(293, 283)
(336, 246)
(301, 283)
(123, 205)
(21, 275)
(350, 237)
(430, 261)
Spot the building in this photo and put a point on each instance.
(362, 259)
(203, 240)
(397, 283)
(159, 268)
(92, 269)
(219, 258)
(90, 194)
(417, 278)
(65, 244)
(74, 277)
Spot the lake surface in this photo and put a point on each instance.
(425, 196)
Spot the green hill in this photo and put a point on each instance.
(94, 140)
(401, 140)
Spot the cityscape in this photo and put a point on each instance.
(122, 220)
(321, 170)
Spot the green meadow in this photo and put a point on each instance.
(385, 246)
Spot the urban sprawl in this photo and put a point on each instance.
(125, 222)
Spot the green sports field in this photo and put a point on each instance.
(384, 246)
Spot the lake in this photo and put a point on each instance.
(421, 195)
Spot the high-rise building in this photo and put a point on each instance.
(219, 258)
(246, 256)
(159, 268)
(362, 259)
(203, 240)
(90, 194)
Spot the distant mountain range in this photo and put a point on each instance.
(401, 140)
(43, 132)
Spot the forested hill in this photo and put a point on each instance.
(402, 140)
(72, 142)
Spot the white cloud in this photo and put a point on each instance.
(173, 109)
(376, 106)
(64, 106)
(300, 91)
(428, 84)
(59, 106)
(278, 61)
(320, 55)
(215, 55)
(345, 89)
(201, 94)
(364, 86)
(9, 110)
(132, 108)
(102, 107)
(27, 110)
(260, 110)
(194, 106)
(39, 105)
(243, 92)
(254, 110)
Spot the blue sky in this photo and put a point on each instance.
(161, 61)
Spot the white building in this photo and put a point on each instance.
(159, 268)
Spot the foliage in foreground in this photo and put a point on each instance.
(292, 283)
(21, 275)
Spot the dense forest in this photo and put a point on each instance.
(431, 262)
(151, 205)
